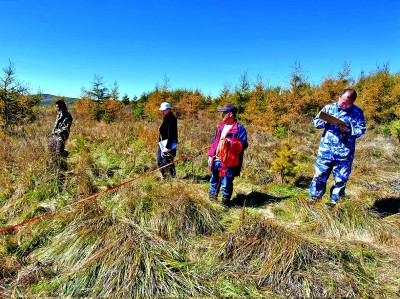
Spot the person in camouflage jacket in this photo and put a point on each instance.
(337, 147)
(61, 129)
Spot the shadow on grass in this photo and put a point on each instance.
(387, 206)
(303, 182)
(256, 199)
(197, 178)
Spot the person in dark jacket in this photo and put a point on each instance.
(168, 141)
(225, 157)
(61, 129)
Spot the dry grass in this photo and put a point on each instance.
(110, 256)
(287, 263)
(163, 238)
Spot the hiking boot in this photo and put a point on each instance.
(212, 196)
(331, 204)
(314, 200)
(226, 202)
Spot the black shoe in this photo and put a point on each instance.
(226, 202)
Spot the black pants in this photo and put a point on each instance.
(161, 161)
(57, 145)
(58, 153)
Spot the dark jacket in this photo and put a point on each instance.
(169, 129)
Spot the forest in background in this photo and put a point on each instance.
(158, 238)
(378, 96)
(284, 108)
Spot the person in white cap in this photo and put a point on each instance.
(168, 140)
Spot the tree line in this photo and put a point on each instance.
(273, 107)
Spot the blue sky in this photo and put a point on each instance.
(58, 46)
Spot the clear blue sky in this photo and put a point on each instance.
(58, 46)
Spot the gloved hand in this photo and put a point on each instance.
(166, 153)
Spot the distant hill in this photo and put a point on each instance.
(48, 99)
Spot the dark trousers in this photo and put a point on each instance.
(57, 145)
(161, 161)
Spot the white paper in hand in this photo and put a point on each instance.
(162, 144)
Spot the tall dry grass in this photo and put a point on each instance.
(163, 238)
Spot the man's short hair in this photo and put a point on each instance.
(352, 94)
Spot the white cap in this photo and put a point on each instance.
(164, 106)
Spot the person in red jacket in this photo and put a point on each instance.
(225, 157)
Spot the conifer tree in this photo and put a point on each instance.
(125, 99)
(16, 104)
(284, 164)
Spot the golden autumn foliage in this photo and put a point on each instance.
(270, 107)
(111, 109)
(380, 96)
(189, 104)
(86, 107)
(153, 104)
(106, 110)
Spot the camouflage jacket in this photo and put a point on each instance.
(62, 124)
(337, 145)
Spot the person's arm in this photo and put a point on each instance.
(172, 130)
(54, 130)
(211, 152)
(319, 123)
(64, 126)
(357, 125)
(242, 135)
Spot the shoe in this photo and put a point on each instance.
(226, 202)
(212, 196)
(314, 200)
(331, 204)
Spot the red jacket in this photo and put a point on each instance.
(233, 153)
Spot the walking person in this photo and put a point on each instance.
(337, 147)
(225, 157)
(168, 141)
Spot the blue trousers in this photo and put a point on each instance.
(224, 184)
(323, 167)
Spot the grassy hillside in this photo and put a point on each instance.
(164, 238)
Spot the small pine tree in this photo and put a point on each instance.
(125, 99)
(284, 164)
(16, 105)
